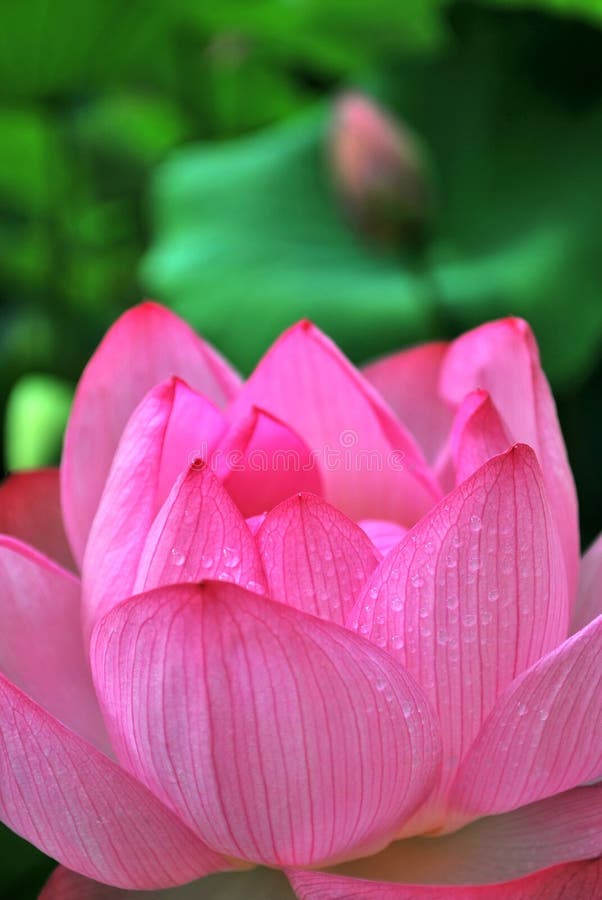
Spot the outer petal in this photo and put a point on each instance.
(474, 595)
(502, 358)
(41, 647)
(575, 881)
(557, 830)
(30, 510)
(370, 466)
(171, 426)
(262, 462)
(409, 382)
(477, 435)
(144, 347)
(315, 558)
(384, 535)
(256, 884)
(280, 738)
(79, 807)
(198, 534)
(589, 598)
(544, 734)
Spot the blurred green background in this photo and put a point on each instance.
(179, 149)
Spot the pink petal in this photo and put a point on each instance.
(30, 510)
(589, 598)
(255, 522)
(199, 534)
(315, 558)
(172, 426)
(144, 347)
(574, 881)
(557, 830)
(279, 737)
(409, 382)
(477, 435)
(254, 884)
(369, 464)
(502, 359)
(262, 462)
(544, 734)
(41, 646)
(79, 807)
(474, 595)
(384, 535)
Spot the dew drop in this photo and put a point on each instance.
(381, 683)
(406, 708)
(231, 557)
(177, 557)
(396, 603)
(469, 619)
(373, 593)
(475, 523)
(255, 586)
(493, 595)
(486, 618)
(417, 581)
(397, 641)
(452, 602)
(543, 714)
(206, 561)
(522, 709)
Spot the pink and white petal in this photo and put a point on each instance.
(41, 646)
(79, 807)
(477, 435)
(589, 596)
(409, 382)
(384, 535)
(170, 427)
(278, 737)
(473, 596)
(544, 734)
(144, 347)
(502, 358)
(30, 509)
(370, 465)
(254, 884)
(199, 534)
(560, 829)
(572, 881)
(314, 557)
(262, 462)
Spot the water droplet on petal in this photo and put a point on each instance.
(522, 709)
(396, 603)
(177, 557)
(475, 523)
(231, 557)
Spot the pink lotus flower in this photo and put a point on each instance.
(323, 631)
